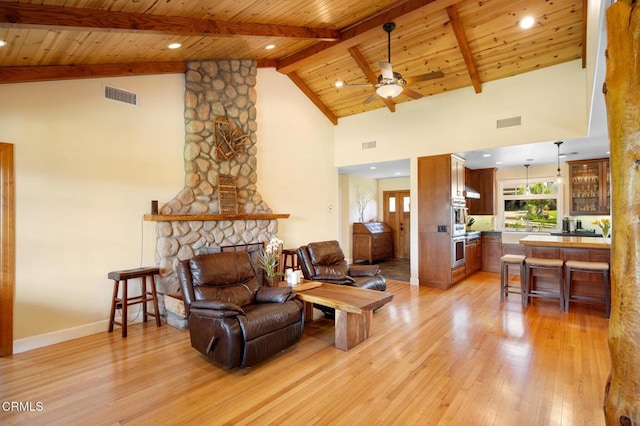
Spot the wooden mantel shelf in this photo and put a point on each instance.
(213, 217)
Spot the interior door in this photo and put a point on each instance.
(397, 215)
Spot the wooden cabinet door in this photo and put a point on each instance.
(457, 177)
(483, 181)
(589, 187)
(491, 252)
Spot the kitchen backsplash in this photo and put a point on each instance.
(489, 223)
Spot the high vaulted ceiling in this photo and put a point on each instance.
(316, 42)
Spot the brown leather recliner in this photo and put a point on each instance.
(232, 319)
(324, 261)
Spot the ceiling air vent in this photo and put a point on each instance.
(368, 145)
(120, 95)
(508, 122)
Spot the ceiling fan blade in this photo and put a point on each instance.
(356, 85)
(424, 77)
(411, 93)
(386, 70)
(371, 98)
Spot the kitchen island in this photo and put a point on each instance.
(561, 242)
(590, 249)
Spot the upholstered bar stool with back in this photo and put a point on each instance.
(514, 260)
(572, 266)
(555, 266)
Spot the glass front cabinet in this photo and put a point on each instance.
(590, 187)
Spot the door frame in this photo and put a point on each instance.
(8, 253)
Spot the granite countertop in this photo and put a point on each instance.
(491, 233)
(558, 241)
(577, 234)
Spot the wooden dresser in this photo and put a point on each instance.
(372, 241)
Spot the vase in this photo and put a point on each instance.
(269, 281)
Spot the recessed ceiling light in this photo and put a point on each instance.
(3, 43)
(372, 168)
(562, 156)
(397, 173)
(339, 84)
(486, 155)
(174, 46)
(270, 46)
(527, 22)
(498, 162)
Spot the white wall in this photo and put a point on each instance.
(296, 172)
(86, 170)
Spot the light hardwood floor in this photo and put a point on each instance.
(435, 358)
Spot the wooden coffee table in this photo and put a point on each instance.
(354, 308)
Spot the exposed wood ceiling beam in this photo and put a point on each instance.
(313, 97)
(21, 15)
(458, 30)
(371, 75)
(69, 72)
(356, 34)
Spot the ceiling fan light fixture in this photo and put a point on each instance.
(389, 90)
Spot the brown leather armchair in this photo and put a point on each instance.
(233, 320)
(324, 261)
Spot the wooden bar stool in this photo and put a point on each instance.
(535, 263)
(506, 288)
(125, 301)
(591, 268)
(290, 259)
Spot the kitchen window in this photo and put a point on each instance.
(538, 209)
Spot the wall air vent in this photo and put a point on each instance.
(508, 122)
(368, 145)
(120, 95)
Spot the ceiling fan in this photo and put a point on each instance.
(390, 84)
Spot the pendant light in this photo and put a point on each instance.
(527, 190)
(558, 175)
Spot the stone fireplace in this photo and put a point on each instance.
(214, 89)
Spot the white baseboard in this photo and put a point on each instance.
(58, 336)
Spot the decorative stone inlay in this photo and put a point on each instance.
(213, 88)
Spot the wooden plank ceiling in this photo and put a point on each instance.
(316, 43)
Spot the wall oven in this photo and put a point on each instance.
(458, 251)
(458, 216)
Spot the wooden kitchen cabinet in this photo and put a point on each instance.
(590, 187)
(474, 256)
(457, 177)
(483, 181)
(438, 177)
(491, 252)
(372, 242)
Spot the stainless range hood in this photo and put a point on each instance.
(470, 192)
